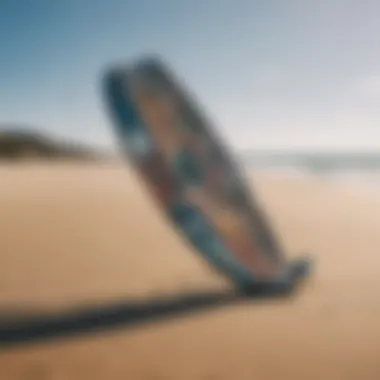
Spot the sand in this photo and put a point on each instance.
(89, 233)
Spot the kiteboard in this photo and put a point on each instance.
(192, 176)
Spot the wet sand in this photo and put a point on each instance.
(73, 234)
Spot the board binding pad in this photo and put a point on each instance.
(192, 177)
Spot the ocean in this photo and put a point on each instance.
(351, 167)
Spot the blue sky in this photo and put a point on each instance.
(271, 73)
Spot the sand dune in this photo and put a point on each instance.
(89, 233)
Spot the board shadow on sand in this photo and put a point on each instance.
(25, 328)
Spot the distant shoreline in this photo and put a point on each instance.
(19, 145)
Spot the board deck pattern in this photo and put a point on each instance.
(189, 172)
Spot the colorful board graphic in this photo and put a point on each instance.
(190, 173)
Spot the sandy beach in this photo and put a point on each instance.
(89, 233)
